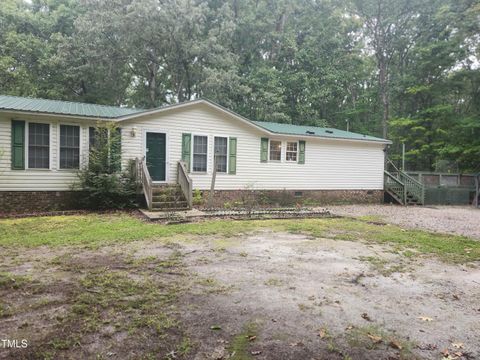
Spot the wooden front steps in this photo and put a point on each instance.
(404, 189)
(165, 197)
(168, 198)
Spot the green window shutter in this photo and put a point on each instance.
(18, 145)
(264, 150)
(186, 149)
(116, 150)
(301, 153)
(232, 160)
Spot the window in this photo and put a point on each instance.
(96, 137)
(200, 146)
(275, 150)
(69, 147)
(221, 153)
(292, 149)
(38, 146)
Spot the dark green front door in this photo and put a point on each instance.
(156, 155)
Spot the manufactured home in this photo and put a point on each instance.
(43, 143)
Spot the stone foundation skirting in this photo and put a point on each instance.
(35, 201)
(282, 198)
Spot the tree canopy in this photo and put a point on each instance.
(407, 70)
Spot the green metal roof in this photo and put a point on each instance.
(16, 103)
(302, 130)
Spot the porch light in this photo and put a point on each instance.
(133, 132)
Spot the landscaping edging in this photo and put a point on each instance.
(196, 215)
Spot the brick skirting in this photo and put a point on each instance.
(34, 201)
(269, 198)
(37, 201)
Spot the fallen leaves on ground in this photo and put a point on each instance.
(457, 345)
(255, 353)
(366, 317)
(251, 337)
(425, 318)
(429, 347)
(395, 344)
(298, 343)
(376, 339)
(219, 353)
(322, 333)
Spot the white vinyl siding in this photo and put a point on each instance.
(52, 179)
(329, 164)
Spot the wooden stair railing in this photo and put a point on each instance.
(146, 181)
(413, 190)
(395, 187)
(185, 182)
(413, 187)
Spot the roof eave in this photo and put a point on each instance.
(185, 104)
(379, 141)
(243, 119)
(70, 116)
(191, 103)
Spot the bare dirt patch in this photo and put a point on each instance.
(321, 298)
(79, 303)
(458, 220)
(262, 295)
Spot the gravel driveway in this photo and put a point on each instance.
(459, 220)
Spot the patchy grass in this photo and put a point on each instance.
(87, 301)
(274, 282)
(383, 266)
(13, 282)
(375, 338)
(372, 218)
(241, 343)
(96, 230)
(105, 296)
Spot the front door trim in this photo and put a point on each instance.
(167, 155)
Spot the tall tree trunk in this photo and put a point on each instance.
(383, 85)
(235, 9)
(152, 84)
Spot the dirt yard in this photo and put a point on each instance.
(461, 220)
(260, 293)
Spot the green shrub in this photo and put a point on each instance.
(197, 197)
(102, 182)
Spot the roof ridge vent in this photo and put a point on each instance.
(310, 132)
(329, 131)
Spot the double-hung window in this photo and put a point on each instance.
(292, 151)
(275, 150)
(220, 150)
(200, 147)
(97, 137)
(69, 147)
(38, 146)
